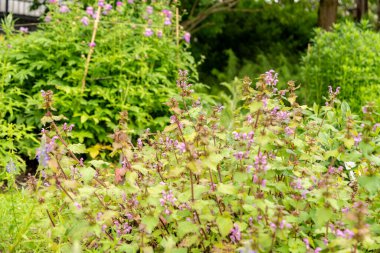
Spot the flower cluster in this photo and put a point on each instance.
(167, 200)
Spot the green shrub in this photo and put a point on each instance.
(132, 69)
(349, 57)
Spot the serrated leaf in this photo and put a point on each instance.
(87, 173)
(371, 184)
(150, 223)
(224, 224)
(98, 163)
(186, 227)
(78, 148)
(226, 189)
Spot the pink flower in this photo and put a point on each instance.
(118, 3)
(108, 7)
(167, 21)
(47, 18)
(64, 9)
(159, 34)
(235, 234)
(187, 37)
(148, 32)
(90, 10)
(167, 13)
(271, 78)
(85, 21)
(149, 10)
(92, 44)
(24, 29)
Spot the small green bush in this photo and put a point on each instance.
(349, 57)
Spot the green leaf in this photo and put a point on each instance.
(322, 215)
(213, 160)
(150, 223)
(87, 173)
(98, 163)
(226, 189)
(77, 148)
(370, 183)
(224, 224)
(186, 227)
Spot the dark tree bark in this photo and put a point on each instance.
(378, 15)
(327, 13)
(361, 9)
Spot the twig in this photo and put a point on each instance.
(51, 220)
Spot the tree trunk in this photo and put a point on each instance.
(327, 13)
(361, 9)
(378, 15)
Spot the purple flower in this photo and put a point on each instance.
(11, 166)
(108, 7)
(101, 3)
(239, 155)
(118, 3)
(187, 37)
(149, 10)
(282, 115)
(317, 250)
(24, 29)
(235, 234)
(307, 244)
(148, 32)
(375, 126)
(64, 9)
(358, 139)
(167, 21)
(271, 78)
(77, 205)
(289, 131)
(92, 44)
(130, 1)
(90, 10)
(167, 13)
(52, 1)
(181, 147)
(365, 109)
(139, 143)
(167, 200)
(159, 34)
(249, 119)
(43, 151)
(47, 18)
(85, 21)
(261, 161)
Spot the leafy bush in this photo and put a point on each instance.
(133, 66)
(285, 178)
(347, 57)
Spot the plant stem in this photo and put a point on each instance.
(91, 48)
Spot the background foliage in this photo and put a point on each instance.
(347, 57)
(129, 70)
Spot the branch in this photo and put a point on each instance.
(192, 23)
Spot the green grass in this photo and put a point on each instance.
(21, 225)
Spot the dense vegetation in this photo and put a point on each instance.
(126, 151)
(347, 57)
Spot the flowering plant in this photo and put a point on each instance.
(274, 181)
